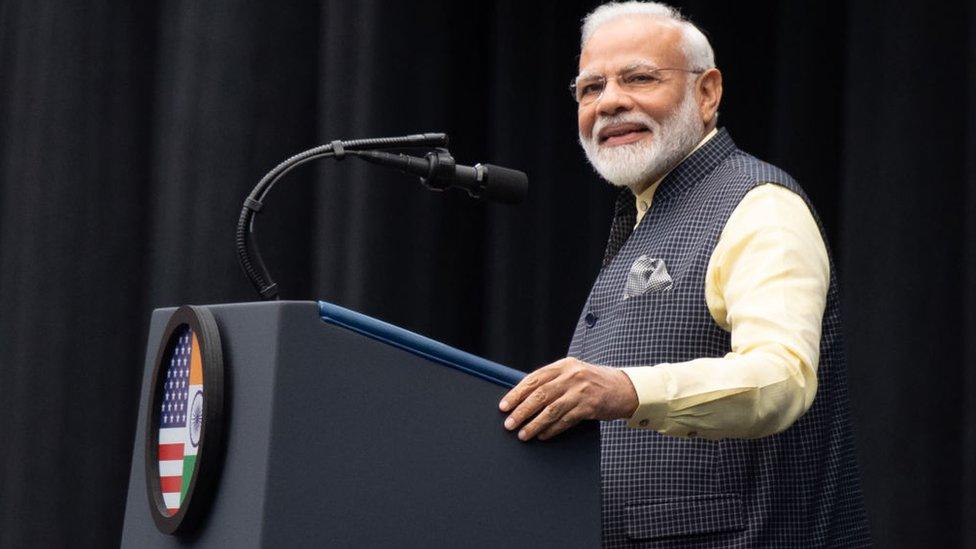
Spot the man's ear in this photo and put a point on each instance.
(709, 94)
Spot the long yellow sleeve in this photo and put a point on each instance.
(766, 283)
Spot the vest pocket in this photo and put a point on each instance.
(650, 303)
(653, 519)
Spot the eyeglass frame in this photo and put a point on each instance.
(627, 70)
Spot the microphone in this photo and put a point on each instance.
(438, 171)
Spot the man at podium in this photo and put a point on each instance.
(710, 344)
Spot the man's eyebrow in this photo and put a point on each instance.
(587, 74)
(633, 65)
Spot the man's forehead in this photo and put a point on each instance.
(629, 39)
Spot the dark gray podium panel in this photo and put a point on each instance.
(337, 440)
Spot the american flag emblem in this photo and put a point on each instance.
(180, 419)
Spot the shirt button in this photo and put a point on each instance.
(643, 423)
(590, 320)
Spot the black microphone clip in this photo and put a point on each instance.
(440, 171)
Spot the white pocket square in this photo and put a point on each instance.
(647, 275)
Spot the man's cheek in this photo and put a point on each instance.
(586, 127)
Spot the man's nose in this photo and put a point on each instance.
(614, 99)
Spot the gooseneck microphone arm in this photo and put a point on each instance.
(437, 170)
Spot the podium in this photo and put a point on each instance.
(343, 431)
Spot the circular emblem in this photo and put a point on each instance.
(184, 424)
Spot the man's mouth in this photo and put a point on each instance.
(622, 134)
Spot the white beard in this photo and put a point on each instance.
(635, 164)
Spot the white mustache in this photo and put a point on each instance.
(623, 118)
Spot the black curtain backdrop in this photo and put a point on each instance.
(130, 133)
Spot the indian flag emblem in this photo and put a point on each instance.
(180, 419)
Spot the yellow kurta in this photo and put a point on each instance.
(766, 283)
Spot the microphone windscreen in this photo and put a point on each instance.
(504, 185)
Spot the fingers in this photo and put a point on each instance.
(552, 418)
(529, 384)
(538, 399)
(568, 420)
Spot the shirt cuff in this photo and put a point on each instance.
(651, 385)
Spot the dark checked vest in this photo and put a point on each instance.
(798, 488)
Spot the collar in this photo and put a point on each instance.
(646, 197)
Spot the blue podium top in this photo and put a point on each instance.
(420, 345)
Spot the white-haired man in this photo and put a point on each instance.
(714, 321)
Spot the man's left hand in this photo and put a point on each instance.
(564, 393)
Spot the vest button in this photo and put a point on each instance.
(590, 320)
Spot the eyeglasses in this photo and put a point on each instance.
(588, 89)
